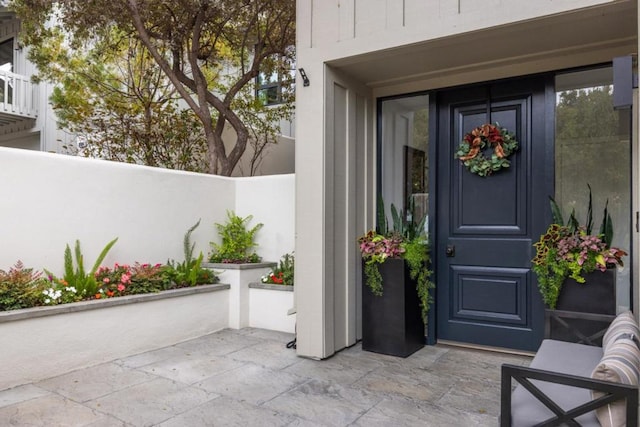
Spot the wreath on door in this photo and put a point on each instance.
(470, 151)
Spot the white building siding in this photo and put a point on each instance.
(360, 26)
(390, 47)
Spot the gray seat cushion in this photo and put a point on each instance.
(557, 356)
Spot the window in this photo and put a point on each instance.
(593, 146)
(404, 159)
(274, 84)
(6, 55)
(6, 66)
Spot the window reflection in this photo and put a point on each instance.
(593, 146)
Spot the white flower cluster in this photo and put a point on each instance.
(54, 295)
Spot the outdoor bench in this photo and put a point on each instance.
(576, 384)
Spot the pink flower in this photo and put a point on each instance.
(106, 280)
(120, 287)
(126, 278)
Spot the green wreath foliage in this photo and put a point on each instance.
(471, 150)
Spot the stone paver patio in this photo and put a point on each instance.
(249, 378)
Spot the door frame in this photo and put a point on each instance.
(549, 180)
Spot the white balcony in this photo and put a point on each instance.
(18, 98)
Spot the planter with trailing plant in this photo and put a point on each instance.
(395, 296)
(575, 268)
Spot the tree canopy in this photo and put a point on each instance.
(207, 53)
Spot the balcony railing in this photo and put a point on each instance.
(18, 96)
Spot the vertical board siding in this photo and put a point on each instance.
(368, 18)
(347, 29)
(325, 22)
(374, 23)
(395, 14)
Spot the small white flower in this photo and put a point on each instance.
(47, 301)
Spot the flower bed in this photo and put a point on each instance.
(76, 335)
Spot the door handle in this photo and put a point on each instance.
(450, 251)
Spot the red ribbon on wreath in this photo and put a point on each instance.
(488, 131)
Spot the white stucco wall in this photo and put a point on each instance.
(271, 201)
(50, 200)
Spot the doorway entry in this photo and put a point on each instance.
(482, 229)
(486, 226)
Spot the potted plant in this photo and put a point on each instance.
(575, 268)
(396, 296)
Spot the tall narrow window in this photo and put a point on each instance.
(593, 146)
(404, 159)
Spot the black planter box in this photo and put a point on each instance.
(392, 323)
(596, 295)
(584, 310)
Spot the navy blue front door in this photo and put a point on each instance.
(486, 292)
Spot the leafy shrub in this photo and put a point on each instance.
(21, 287)
(238, 241)
(189, 272)
(283, 273)
(572, 250)
(147, 278)
(129, 280)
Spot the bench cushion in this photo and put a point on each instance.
(564, 357)
(623, 324)
(620, 364)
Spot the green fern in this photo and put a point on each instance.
(238, 240)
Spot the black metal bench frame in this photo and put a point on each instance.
(523, 375)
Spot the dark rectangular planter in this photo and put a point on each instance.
(584, 310)
(392, 323)
(596, 295)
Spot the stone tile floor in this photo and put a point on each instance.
(249, 378)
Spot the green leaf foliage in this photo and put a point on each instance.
(238, 240)
(408, 240)
(190, 271)
(74, 273)
(21, 287)
(128, 70)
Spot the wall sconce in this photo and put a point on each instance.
(305, 79)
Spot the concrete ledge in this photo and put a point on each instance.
(271, 287)
(231, 266)
(34, 312)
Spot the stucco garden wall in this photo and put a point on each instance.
(50, 200)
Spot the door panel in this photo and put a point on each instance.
(486, 293)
